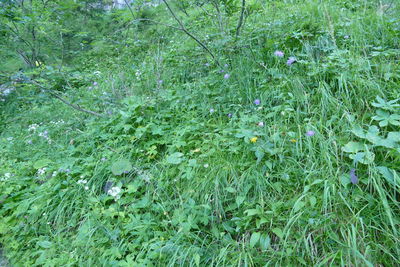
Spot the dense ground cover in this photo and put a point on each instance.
(286, 152)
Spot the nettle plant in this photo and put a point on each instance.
(379, 144)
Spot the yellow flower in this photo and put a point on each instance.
(293, 140)
(254, 139)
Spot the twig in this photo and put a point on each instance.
(130, 9)
(183, 28)
(240, 23)
(157, 22)
(74, 106)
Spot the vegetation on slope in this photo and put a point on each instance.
(285, 150)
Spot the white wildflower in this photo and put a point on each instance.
(81, 182)
(115, 192)
(41, 171)
(33, 127)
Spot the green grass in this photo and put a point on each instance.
(200, 193)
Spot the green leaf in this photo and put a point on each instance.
(353, 147)
(230, 189)
(44, 244)
(239, 200)
(278, 232)
(41, 163)
(363, 157)
(260, 155)
(197, 259)
(255, 237)
(252, 212)
(390, 175)
(313, 201)
(175, 158)
(265, 242)
(358, 131)
(121, 166)
(298, 205)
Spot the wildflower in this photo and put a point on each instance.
(257, 102)
(293, 140)
(226, 65)
(260, 124)
(229, 115)
(206, 165)
(207, 64)
(226, 76)
(54, 174)
(160, 82)
(103, 159)
(81, 182)
(33, 127)
(221, 71)
(310, 133)
(212, 110)
(346, 37)
(290, 61)
(353, 176)
(253, 139)
(279, 53)
(86, 187)
(6, 177)
(115, 192)
(42, 171)
(94, 83)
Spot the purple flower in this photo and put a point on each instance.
(160, 82)
(226, 65)
(207, 64)
(221, 71)
(226, 76)
(310, 133)
(94, 83)
(346, 37)
(212, 110)
(126, 172)
(103, 159)
(257, 102)
(279, 53)
(353, 176)
(290, 61)
(229, 115)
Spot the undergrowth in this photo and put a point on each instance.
(257, 162)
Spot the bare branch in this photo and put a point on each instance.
(74, 106)
(240, 23)
(183, 28)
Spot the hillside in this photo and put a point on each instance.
(200, 133)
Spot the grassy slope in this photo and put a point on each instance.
(209, 208)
